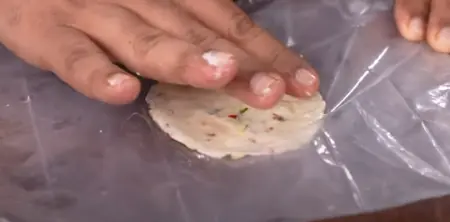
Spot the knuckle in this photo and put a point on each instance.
(78, 4)
(76, 55)
(200, 39)
(275, 56)
(145, 42)
(14, 16)
(285, 61)
(56, 15)
(243, 28)
(164, 4)
(80, 71)
(180, 62)
(179, 66)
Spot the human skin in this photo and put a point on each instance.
(165, 40)
(425, 20)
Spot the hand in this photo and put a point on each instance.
(425, 20)
(161, 39)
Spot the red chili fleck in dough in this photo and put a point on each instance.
(232, 116)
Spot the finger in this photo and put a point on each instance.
(263, 90)
(169, 17)
(152, 52)
(228, 20)
(172, 19)
(85, 67)
(438, 35)
(411, 17)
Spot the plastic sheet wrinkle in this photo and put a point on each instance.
(361, 79)
(387, 139)
(356, 192)
(326, 41)
(425, 128)
(348, 98)
(39, 145)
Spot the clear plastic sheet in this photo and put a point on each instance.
(385, 140)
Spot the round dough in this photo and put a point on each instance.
(218, 125)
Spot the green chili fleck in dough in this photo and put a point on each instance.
(242, 111)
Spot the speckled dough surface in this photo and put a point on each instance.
(217, 125)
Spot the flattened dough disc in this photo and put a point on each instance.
(218, 125)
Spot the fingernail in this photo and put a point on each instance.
(444, 37)
(118, 79)
(262, 84)
(221, 61)
(305, 77)
(416, 27)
